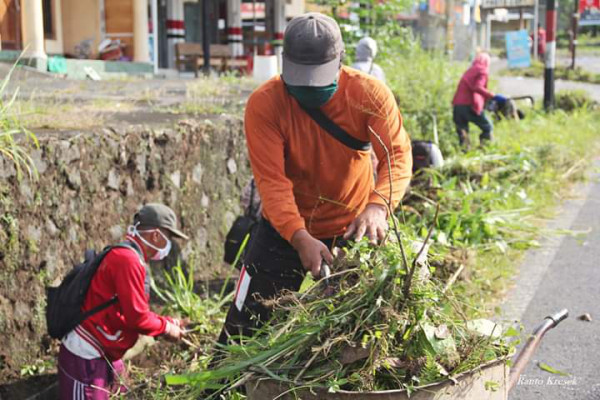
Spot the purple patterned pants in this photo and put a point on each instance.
(81, 379)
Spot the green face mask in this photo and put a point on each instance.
(312, 96)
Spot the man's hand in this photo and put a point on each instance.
(372, 222)
(312, 251)
(173, 331)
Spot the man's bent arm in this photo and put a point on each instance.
(385, 126)
(266, 151)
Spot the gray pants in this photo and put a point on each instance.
(463, 115)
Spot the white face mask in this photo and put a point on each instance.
(161, 254)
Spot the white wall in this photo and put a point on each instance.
(293, 8)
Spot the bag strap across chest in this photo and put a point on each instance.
(335, 130)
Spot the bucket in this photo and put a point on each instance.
(265, 67)
(487, 382)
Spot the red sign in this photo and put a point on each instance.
(588, 4)
(247, 10)
(589, 12)
(437, 7)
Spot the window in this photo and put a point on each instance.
(48, 11)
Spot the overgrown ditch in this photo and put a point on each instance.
(89, 186)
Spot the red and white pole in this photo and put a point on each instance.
(234, 27)
(551, 9)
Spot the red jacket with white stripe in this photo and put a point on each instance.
(111, 332)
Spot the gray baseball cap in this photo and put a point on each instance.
(154, 215)
(312, 50)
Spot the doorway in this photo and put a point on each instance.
(10, 24)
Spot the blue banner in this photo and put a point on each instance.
(517, 49)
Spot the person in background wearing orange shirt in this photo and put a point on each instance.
(316, 188)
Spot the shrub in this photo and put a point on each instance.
(570, 100)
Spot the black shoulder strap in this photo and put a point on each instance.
(100, 307)
(334, 130)
(250, 208)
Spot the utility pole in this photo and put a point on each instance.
(551, 7)
(575, 22)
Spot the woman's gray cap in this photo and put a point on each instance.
(312, 50)
(154, 215)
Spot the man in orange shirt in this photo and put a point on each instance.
(315, 186)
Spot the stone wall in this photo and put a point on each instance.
(89, 186)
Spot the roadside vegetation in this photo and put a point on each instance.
(571, 100)
(66, 109)
(587, 43)
(477, 215)
(215, 95)
(14, 154)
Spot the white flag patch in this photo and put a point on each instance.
(242, 289)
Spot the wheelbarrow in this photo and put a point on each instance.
(491, 381)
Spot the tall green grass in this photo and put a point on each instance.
(11, 127)
(424, 84)
(494, 201)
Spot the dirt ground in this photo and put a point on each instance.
(49, 103)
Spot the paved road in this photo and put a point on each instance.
(520, 86)
(588, 62)
(567, 276)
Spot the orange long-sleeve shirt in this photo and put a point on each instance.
(309, 180)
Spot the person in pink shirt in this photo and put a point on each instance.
(469, 100)
(541, 42)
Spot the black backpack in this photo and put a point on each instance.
(63, 303)
(241, 228)
(426, 154)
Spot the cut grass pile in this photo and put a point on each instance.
(386, 326)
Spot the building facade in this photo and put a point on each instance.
(78, 28)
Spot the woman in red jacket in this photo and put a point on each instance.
(470, 99)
